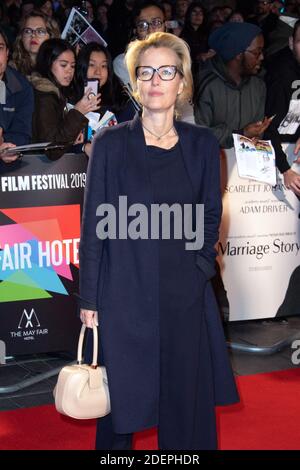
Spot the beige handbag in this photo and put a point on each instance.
(82, 391)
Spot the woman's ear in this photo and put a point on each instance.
(181, 87)
(291, 43)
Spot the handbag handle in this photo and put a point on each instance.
(94, 364)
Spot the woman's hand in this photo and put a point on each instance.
(292, 181)
(296, 151)
(4, 145)
(89, 317)
(88, 102)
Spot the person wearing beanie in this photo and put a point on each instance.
(229, 96)
(233, 39)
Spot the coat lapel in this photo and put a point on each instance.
(188, 150)
(137, 159)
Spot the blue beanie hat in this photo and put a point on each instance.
(233, 38)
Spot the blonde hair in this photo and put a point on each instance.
(170, 41)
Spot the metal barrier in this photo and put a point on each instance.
(263, 350)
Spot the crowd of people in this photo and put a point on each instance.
(235, 51)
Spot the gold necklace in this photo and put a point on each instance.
(158, 137)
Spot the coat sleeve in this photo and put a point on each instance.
(91, 247)
(51, 125)
(278, 100)
(19, 131)
(260, 92)
(211, 191)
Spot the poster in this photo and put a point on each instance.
(40, 214)
(255, 160)
(259, 246)
(291, 121)
(78, 30)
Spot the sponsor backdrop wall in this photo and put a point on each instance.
(259, 247)
(40, 210)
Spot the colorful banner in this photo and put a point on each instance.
(259, 247)
(40, 212)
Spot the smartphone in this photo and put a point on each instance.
(173, 24)
(93, 84)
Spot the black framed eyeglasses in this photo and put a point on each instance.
(40, 32)
(165, 72)
(145, 25)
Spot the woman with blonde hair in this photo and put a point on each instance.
(34, 30)
(161, 337)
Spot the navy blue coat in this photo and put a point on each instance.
(16, 113)
(119, 278)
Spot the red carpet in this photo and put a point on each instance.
(267, 418)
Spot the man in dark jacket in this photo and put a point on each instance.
(229, 96)
(265, 19)
(16, 101)
(16, 106)
(119, 20)
(282, 82)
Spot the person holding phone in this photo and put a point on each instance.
(94, 70)
(52, 81)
